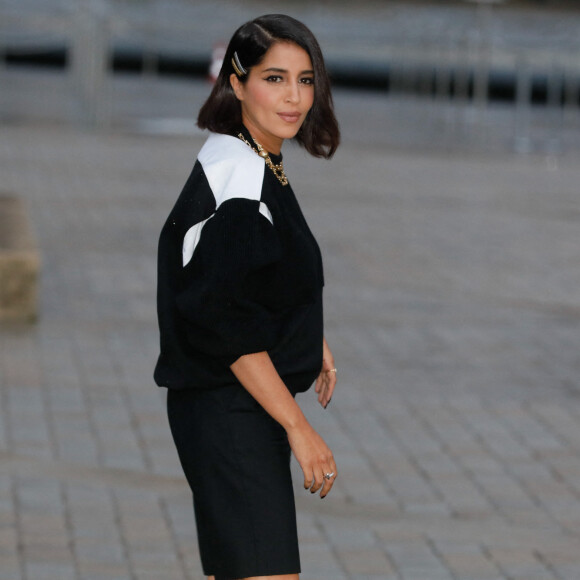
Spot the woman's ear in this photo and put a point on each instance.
(237, 87)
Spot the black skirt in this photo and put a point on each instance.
(236, 459)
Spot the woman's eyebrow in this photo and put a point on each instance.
(283, 70)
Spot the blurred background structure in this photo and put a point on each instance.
(449, 223)
(507, 70)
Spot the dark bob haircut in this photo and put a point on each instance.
(222, 113)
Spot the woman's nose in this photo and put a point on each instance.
(293, 94)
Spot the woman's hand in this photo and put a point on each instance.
(326, 380)
(258, 375)
(315, 458)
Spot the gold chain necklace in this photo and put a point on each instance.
(277, 170)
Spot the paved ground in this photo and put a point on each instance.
(452, 306)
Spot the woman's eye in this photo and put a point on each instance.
(307, 81)
(274, 79)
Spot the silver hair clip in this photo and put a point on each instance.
(240, 70)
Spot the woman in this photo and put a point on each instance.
(240, 305)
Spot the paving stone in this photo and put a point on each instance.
(519, 563)
(103, 572)
(11, 567)
(366, 562)
(320, 562)
(356, 536)
(470, 566)
(568, 572)
(50, 571)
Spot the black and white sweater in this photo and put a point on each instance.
(239, 272)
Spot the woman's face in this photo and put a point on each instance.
(277, 96)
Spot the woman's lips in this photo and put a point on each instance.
(289, 117)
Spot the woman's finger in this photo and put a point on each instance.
(329, 479)
(328, 382)
(330, 386)
(322, 386)
(319, 382)
(308, 478)
(318, 482)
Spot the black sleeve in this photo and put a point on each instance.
(225, 298)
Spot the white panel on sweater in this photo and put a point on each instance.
(233, 171)
(232, 168)
(192, 239)
(266, 212)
